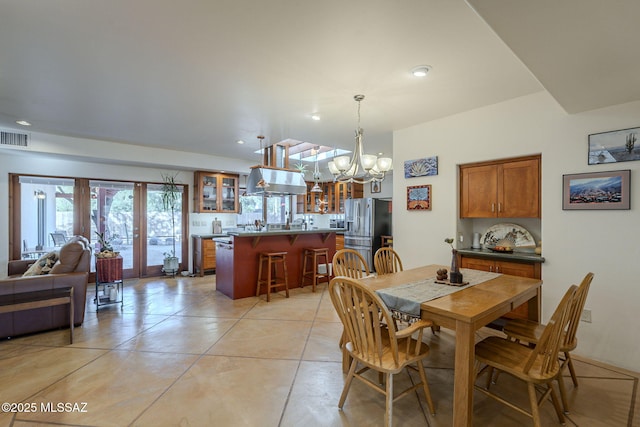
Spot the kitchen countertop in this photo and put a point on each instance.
(209, 236)
(514, 256)
(281, 232)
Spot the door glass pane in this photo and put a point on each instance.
(46, 214)
(228, 194)
(164, 230)
(112, 214)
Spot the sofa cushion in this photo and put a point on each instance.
(43, 265)
(70, 254)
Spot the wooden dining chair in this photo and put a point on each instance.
(538, 366)
(348, 262)
(374, 343)
(528, 331)
(387, 261)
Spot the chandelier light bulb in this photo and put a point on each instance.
(333, 168)
(368, 161)
(384, 164)
(342, 163)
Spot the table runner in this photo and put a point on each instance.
(404, 301)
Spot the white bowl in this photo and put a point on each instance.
(184, 273)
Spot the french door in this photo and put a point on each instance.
(47, 210)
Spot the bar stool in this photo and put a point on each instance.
(311, 257)
(272, 280)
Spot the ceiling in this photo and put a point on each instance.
(198, 75)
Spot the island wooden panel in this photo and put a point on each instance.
(237, 262)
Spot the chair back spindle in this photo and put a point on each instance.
(387, 261)
(349, 263)
(545, 355)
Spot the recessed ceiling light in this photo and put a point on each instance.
(315, 116)
(240, 141)
(421, 70)
(23, 123)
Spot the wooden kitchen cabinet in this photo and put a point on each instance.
(332, 197)
(501, 189)
(339, 242)
(522, 269)
(215, 192)
(204, 255)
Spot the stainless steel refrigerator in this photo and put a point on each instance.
(365, 221)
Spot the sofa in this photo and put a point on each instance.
(71, 269)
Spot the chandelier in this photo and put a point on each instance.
(361, 168)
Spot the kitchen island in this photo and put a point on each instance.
(237, 256)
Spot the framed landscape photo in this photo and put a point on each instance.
(419, 198)
(597, 190)
(614, 146)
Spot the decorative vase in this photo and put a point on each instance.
(454, 275)
(454, 261)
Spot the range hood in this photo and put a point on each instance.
(266, 180)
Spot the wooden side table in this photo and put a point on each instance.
(108, 279)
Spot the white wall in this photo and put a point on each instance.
(574, 242)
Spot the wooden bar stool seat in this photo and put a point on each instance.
(312, 258)
(272, 280)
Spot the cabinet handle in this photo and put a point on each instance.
(499, 207)
(497, 269)
(491, 268)
(493, 207)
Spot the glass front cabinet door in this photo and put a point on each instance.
(216, 192)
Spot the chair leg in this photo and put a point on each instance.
(388, 405)
(269, 268)
(533, 401)
(304, 269)
(347, 383)
(569, 362)
(563, 393)
(556, 403)
(259, 277)
(425, 386)
(286, 277)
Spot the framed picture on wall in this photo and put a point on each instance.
(419, 198)
(421, 167)
(597, 190)
(376, 186)
(614, 146)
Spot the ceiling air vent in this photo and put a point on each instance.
(11, 139)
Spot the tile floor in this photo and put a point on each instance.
(181, 354)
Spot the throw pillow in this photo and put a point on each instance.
(43, 265)
(70, 253)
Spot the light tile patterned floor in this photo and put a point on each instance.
(181, 354)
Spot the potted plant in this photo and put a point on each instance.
(170, 195)
(106, 249)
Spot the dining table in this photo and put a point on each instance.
(466, 310)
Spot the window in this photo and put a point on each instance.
(276, 209)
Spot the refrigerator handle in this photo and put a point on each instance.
(357, 217)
